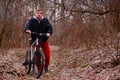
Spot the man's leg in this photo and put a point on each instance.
(46, 50)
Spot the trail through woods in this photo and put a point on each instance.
(64, 65)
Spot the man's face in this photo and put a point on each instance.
(38, 14)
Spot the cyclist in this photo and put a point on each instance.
(40, 24)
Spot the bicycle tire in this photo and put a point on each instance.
(28, 60)
(38, 64)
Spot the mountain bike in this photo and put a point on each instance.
(34, 58)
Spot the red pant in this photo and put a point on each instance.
(46, 51)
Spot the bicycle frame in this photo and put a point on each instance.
(34, 45)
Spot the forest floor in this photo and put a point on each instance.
(65, 64)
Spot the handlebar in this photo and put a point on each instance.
(39, 34)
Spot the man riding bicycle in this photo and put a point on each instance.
(40, 24)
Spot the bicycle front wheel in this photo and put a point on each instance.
(38, 64)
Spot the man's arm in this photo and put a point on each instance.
(50, 29)
(27, 27)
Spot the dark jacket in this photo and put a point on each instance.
(42, 26)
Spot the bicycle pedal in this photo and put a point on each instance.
(25, 63)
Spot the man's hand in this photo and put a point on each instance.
(28, 31)
(48, 34)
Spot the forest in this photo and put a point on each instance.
(87, 32)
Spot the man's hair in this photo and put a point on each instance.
(38, 9)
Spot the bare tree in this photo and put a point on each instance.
(76, 22)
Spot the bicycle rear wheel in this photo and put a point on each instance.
(38, 64)
(28, 62)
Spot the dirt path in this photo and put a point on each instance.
(11, 65)
(64, 65)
